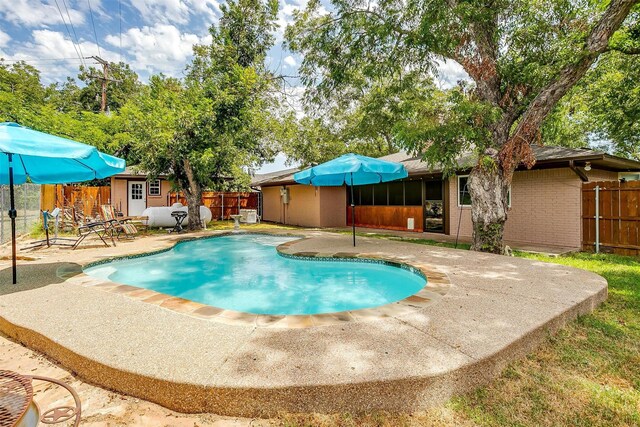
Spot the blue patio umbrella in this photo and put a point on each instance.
(351, 169)
(41, 158)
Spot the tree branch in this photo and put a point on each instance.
(596, 43)
(625, 50)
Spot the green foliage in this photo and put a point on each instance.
(604, 107)
(209, 129)
(23, 99)
(512, 50)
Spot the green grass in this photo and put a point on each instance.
(588, 374)
(429, 242)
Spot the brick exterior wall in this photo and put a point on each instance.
(545, 207)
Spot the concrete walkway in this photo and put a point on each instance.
(497, 309)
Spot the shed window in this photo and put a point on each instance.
(154, 187)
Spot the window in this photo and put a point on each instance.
(136, 191)
(396, 193)
(380, 194)
(413, 193)
(464, 198)
(154, 187)
(366, 195)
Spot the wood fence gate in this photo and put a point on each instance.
(618, 217)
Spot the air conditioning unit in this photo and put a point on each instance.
(250, 216)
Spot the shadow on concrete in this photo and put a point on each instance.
(34, 276)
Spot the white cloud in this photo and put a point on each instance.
(160, 48)
(34, 13)
(53, 44)
(4, 38)
(290, 61)
(449, 73)
(175, 11)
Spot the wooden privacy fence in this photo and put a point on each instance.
(75, 201)
(223, 204)
(618, 217)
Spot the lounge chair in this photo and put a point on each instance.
(100, 229)
(120, 226)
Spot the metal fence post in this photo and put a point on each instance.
(24, 205)
(597, 219)
(1, 213)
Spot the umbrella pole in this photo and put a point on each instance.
(12, 215)
(353, 213)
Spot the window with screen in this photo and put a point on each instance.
(154, 187)
(396, 193)
(380, 194)
(366, 195)
(413, 193)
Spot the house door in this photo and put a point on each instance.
(433, 206)
(137, 198)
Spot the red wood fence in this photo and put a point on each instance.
(76, 202)
(619, 217)
(223, 204)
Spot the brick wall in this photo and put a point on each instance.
(545, 207)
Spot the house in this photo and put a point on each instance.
(132, 192)
(545, 201)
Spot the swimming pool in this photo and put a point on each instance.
(245, 273)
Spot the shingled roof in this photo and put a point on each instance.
(545, 156)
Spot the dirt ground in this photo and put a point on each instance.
(101, 407)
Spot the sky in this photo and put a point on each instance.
(152, 36)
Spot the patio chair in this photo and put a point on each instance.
(99, 229)
(120, 226)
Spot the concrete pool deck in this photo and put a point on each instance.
(495, 310)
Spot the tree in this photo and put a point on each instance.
(521, 56)
(206, 130)
(368, 127)
(603, 110)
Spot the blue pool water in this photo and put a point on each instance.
(245, 273)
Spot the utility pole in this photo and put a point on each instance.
(105, 79)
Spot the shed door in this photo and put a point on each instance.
(137, 198)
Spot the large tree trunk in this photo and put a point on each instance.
(194, 198)
(489, 189)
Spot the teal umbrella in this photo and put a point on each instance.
(29, 155)
(351, 169)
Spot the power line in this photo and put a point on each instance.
(42, 60)
(69, 32)
(64, 2)
(95, 34)
(120, 12)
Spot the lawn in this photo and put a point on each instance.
(588, 374)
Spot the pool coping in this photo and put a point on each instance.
(498, 309)
(437, 285)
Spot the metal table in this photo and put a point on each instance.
(179, 217)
